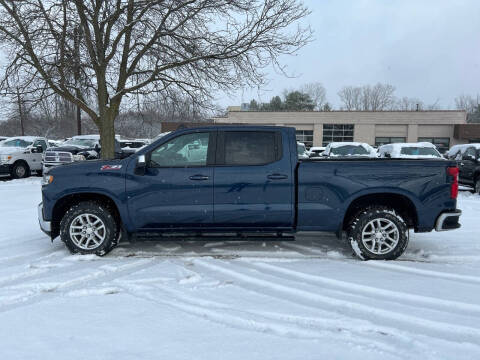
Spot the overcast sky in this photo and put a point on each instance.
(428, 49)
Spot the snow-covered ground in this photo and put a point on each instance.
(308, 299)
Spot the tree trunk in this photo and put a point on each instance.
(79, 121)
(20, 112)
(107, 134)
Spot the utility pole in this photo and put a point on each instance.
(20, 111)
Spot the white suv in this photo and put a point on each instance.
(21, 155)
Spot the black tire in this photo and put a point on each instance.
(92, 209)
(20, 170)
(363, 221)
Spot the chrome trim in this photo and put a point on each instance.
(44, 225)
(442, 217)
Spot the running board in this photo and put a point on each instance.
(212, 236)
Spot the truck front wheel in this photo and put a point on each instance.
(89, 228)
(378, 233)
(20, 170)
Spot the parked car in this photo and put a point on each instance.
(316, 151)
(77, 148)
(21, 155)
(249, 183)
(468, 160)
(347, 149)
(130, 147)
(302, 151)
(420, 150)
(54, 143)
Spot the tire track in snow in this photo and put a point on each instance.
(255, 321)
(396, 296)
(422, 272)
(51, 289)
(430, 327)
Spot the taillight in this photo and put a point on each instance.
(453, 172)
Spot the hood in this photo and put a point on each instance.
(74, 149)
(90, 167)
(11, 150)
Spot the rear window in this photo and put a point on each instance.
(250, 148)
(419, 151)
(349, 150)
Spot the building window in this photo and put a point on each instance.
(442, 144)
(388, 140)
(337, 133)
(306, 137)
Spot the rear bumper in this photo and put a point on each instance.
(448, 220)
(45, 226)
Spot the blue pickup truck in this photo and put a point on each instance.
(246, 181)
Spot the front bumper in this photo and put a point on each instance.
(46, 226)
(448, 220)
(5, 169)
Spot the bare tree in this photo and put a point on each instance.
(368, 98)
(471, 105)
(317, 93)
(140, 47)
(409, 104)
(351, 98)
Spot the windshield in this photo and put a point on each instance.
(81, 142)
(420, 151)
(16, 143)
(349, 150)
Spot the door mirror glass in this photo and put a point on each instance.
(141, 165)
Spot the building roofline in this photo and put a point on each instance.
(345, 111)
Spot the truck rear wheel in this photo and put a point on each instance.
(89, 228)
(378, 233)
(20, 170)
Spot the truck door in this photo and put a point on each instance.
(176, 190)
(35, 162)
(253, 184)
(467, 166)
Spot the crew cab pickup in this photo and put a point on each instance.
(21, 155)
(246, 181)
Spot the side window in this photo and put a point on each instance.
(470, 152)
(251, 148)
(182, 151)
(42, 143)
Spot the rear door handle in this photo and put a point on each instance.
(277, 177)
(198, 177)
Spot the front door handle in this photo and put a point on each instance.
(198, 177)
(277, 177)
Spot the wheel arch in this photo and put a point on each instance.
(64, 203)
(401, 203)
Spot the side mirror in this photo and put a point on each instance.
(39, 149)
(141, 165)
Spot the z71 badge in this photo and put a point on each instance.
(111, 167)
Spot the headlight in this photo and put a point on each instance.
(47, 179)
(5, 158)
(78, 158)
